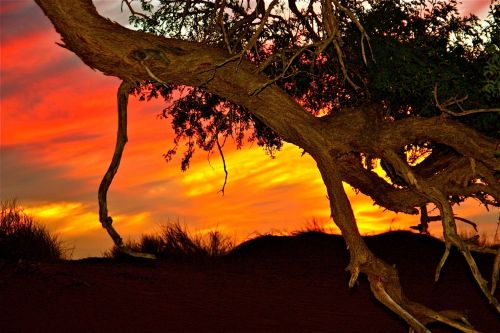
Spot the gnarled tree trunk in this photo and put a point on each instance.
(335, 141)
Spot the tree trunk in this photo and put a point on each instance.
(335, 142)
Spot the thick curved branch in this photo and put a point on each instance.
(121, 140)
(113, 49)
(464, 140)
(406, 199)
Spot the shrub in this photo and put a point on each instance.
(175, 242)
(23, 238)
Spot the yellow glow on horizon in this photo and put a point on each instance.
(73, 218)
(263, 195)
(54, 210)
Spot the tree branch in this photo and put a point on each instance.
(224, 165)
(132, 10)
(121, 140)
(454, 101)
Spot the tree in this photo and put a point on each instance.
(351, 83)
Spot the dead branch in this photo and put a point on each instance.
(121, 140)
(452, 239)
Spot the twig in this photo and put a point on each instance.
(454, 101)
(224, 164)
(282, 75)
(364, 34)
(131, 9)
(474, 225)
(257, 33)
(220, 20)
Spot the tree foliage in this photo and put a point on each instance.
(416, 46)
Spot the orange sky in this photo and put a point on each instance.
(58, 125)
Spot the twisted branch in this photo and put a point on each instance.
(121, 140)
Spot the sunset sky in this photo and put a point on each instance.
(58, 127)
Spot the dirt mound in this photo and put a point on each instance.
(269, 284)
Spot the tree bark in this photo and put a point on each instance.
(332, 141)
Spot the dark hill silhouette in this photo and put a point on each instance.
(268, 284)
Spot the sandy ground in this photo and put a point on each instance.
(272, 284)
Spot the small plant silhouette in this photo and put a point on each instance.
(21, 237)
(175, 241)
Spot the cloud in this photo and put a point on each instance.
(21, 18)
(113, 11)
(24, 178)
(476, 7)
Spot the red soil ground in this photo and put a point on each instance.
(271, 284)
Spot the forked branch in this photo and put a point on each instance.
(443, 106)
(132, 10)
(448, 220)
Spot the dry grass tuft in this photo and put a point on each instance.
(481, 239)
(176, 242)
(23, 238)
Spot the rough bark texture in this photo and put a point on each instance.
(335, 141)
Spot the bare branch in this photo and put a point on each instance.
(454, 101)
(474, 225)
(224, 164)
(132, 10)
(220, 21)
(364, 34)
(282, 74)
(257, 33)
(121, 140)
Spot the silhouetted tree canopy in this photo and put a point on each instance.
(414, 47)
